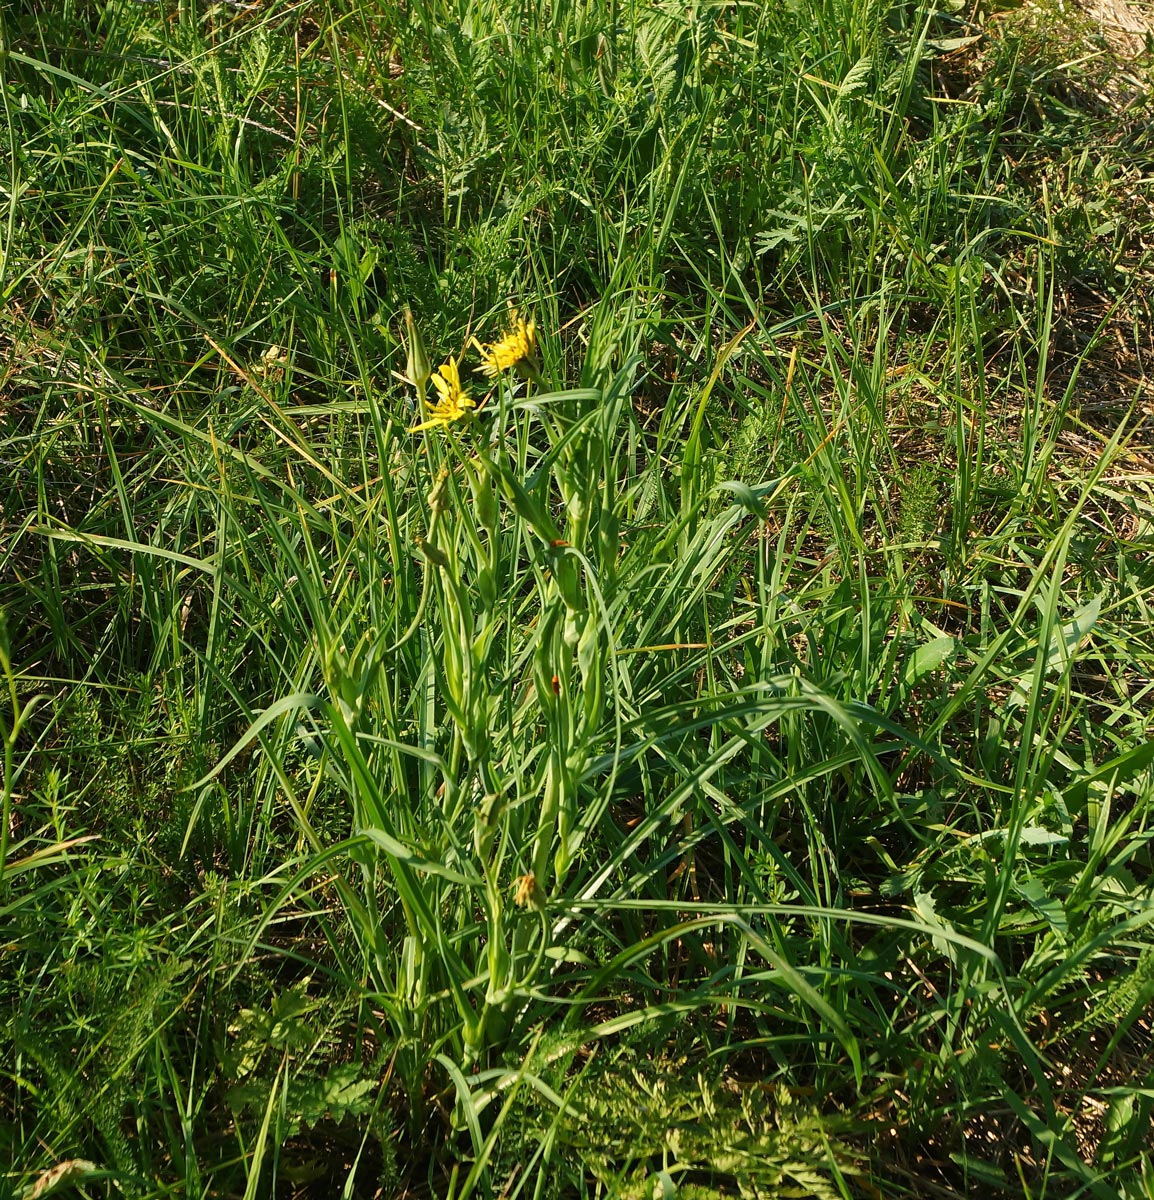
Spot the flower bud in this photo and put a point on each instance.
(418, 367)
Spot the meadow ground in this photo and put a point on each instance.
(688, 736)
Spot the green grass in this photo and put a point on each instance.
(718, 764)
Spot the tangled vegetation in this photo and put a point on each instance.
(576, 584)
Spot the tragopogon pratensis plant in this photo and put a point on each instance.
(516, 747)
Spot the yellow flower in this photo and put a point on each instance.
(527, 892)
(454, 402)
(517, 349)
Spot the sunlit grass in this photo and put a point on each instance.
(577, 602)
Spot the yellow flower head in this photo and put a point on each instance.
(527, 892)
(453, 403)
(517, 349)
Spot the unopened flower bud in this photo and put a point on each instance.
(418, 366)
